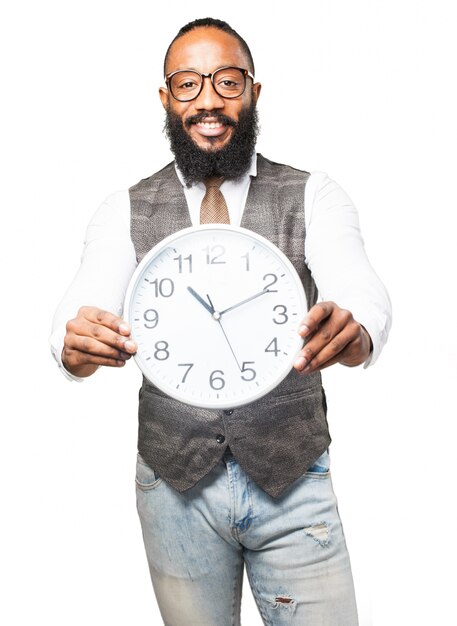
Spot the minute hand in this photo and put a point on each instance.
(256, 295)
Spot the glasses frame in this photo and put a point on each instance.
(246, 74)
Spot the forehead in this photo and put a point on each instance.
(205, 49)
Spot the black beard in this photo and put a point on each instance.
(231, 161)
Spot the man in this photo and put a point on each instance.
(203, 516)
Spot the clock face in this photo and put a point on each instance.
(215, 311)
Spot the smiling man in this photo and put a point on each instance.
(220, 490)
(211, 109)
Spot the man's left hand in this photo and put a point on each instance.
(332, 336)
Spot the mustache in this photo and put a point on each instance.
(217, 117)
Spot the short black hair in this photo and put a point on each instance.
(207, 22)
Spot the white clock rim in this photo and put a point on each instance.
(155, 251)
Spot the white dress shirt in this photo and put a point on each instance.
(334, 253)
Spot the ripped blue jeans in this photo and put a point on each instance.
(198, 542)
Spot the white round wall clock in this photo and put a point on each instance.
(215, 311)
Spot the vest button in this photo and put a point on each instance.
(220, 438)
(229, 412)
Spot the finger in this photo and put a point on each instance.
(314, 318)
(331, 353)
(74, 359)
(83, 328)
(89, 345)
(98, 344)
(329, 340)
(349, 356)
(104, 318)
(326, 335)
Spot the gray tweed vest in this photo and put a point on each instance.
(275, 439)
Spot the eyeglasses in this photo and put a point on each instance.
(228, 82)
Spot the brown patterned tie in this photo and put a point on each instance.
(214, 208)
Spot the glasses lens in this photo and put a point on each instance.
(229, 82)
(185, 85)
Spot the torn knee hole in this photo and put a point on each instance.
(283, 601)
(319, 532)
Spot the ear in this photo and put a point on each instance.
(256, 88)
(163, 93)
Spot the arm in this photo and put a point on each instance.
(85, 337)
(352, 324)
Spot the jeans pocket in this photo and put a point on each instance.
(146, 478)
(321, 467)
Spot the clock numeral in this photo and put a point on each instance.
(164, 287)
(152, 317)
(181, 260)
(273, 347)
(189, 367)
(282, 314)
(246, 256)
(161, 353)
(216, 382)
(252, 372)
(217, 252)
(274, 279)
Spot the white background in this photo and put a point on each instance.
(362, 89)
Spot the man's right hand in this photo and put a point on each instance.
(96, 337)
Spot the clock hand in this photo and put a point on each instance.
(222, 328)
(200, 299)
(256, 295)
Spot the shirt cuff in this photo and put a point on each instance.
(378, 335)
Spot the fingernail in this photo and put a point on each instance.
(303, 330)
(300, 362)
(124, 328)
(130, 346)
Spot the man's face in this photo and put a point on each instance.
(206, 49)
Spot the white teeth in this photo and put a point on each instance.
(211, 124)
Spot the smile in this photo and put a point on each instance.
(210, 128)
(211, 124)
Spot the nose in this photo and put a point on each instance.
(208, 99)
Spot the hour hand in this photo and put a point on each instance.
(207, 306)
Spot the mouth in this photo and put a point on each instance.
(210, 126)
(210, 129)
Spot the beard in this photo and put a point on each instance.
(231, 161)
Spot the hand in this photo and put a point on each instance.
(96, 337)
(331, 336)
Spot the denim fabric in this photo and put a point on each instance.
(197, 543)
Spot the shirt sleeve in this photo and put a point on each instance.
(336, 257)
(107, 264)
